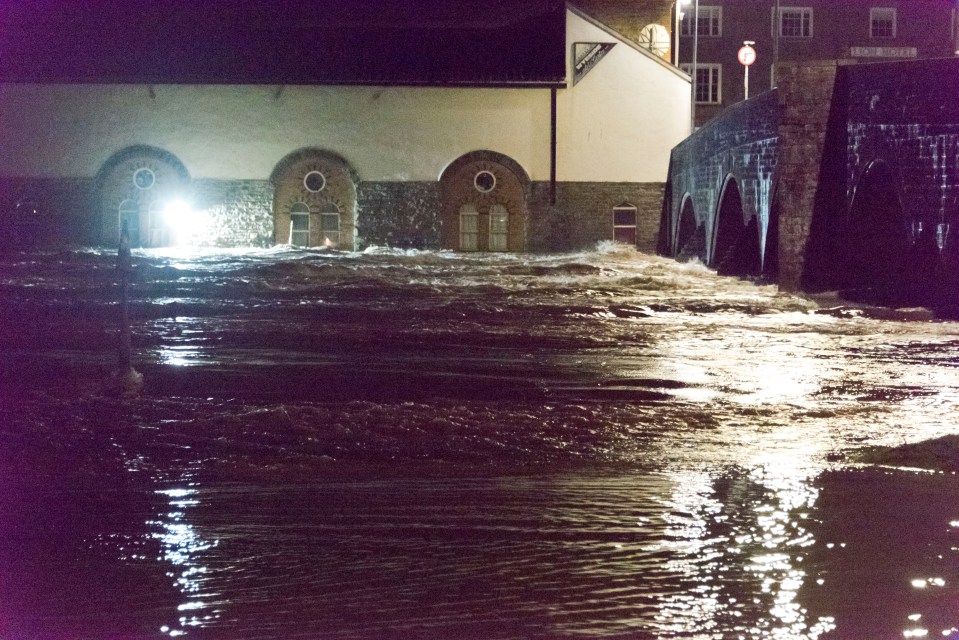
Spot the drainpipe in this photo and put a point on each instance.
(552, 147)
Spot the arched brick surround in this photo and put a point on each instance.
(339, 190)
(115, 185)
(458, 189)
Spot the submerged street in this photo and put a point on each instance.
(442, 445)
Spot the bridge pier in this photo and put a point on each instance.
(844, 177)
(805, 97)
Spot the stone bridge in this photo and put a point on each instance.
(842, 178)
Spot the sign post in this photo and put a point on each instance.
(747, 56)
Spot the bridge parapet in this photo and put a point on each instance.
(732, 159)
(843, 177)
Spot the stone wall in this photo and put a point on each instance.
(61, 213)
(240, 211)
(741, 144)
(583, 214)
(800, 155)
(906, 115)
(805, 95)
(46, 212)
(399, 214)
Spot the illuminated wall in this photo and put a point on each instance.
(615, 127)
(242, 132)
(620, 121)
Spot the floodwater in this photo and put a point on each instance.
(396, 444)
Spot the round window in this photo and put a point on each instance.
(484, 181)
(314, 181)
(144, 178)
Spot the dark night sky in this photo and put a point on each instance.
(292, 42)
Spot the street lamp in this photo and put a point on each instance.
(692, 110)
(747, 56)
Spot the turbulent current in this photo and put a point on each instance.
(395, 444)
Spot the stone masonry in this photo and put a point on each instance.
(804, 95)
(814, 144)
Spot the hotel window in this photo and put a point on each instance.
(300, 224)
(624, 223)
(469, 228)
(710, 21)
(882, 22)
(794, 22)
(708, 82)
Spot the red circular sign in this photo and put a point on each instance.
(747, 55)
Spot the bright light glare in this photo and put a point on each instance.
(186, 225)
(177, 214)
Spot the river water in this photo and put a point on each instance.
(396, 444)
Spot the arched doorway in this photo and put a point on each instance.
(134, 187)
(736, 249)
(878, 241)
(484, 204)
(314, 200)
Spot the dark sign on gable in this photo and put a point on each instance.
(587, 55)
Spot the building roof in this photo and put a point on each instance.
(329, 42)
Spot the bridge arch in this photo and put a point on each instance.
(736, 241)
(690, 234)
(878, 232)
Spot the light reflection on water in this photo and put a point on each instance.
(435, 445)
(184, 549)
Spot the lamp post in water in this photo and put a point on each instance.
(126, 381)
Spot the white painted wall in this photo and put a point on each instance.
(620, 122)
(241, 132)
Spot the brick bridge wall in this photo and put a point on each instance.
(906, 116)
(740, 144)
(801, 155)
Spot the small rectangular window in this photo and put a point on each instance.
(793, 22)
(882, 22)
(710, 23)
(708, 82)
(624, 224)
